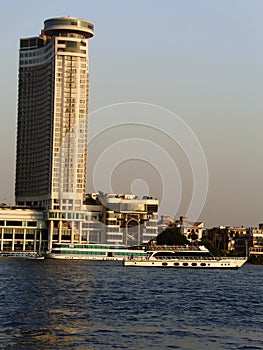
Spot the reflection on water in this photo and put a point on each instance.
(53, 304)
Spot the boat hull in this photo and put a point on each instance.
(22, 255)
(234, 263)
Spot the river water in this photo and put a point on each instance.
(51, 304)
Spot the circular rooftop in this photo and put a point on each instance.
(54, 26)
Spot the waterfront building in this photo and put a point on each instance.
(50, 190)
(112, 218)
(256, 240)
(128, 219)
(52, 115)
(22, 228)
(193, 231)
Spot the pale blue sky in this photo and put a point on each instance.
(200, 59)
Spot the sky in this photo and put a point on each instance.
(176, 95)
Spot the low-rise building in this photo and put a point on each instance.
(257, 240)
(22, 228)
(193, 231)
(128, 219)
(103, 218)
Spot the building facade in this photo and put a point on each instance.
(52, 115)
(129, 220)
(22, 229)
(112, 218)
(50, 190)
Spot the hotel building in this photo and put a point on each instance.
(50, 189)
(52, 115)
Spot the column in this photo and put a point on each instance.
(50, 234)
(59, 231)
(13, 239)
(2, 239)
(35, 240)
(24, 239)
(72, 231)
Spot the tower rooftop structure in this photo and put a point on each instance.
(61, 25)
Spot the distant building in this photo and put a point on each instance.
(237, 237)
(257, 240)
(193, 231)
(163, 223)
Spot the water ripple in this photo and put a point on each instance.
(101, 305)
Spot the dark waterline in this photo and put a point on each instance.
(54, 304)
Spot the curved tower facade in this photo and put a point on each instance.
(52, 115)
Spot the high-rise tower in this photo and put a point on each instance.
(52, 115)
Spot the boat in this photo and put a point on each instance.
(35, 257)
(28, 255)
(93, 251)
(184, 257)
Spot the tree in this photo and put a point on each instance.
(193, 236)
(171, 236)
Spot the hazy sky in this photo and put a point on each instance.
(194, 70)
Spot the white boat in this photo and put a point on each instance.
(92, 251)
(184, 257)
(35, 257)
(29, 255)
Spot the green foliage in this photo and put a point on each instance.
(256, 259)
(193, 236)
(171, 236)
(209, 245)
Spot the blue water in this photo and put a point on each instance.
(49, 304)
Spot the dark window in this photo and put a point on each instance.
(24, 43)
(164, 264)
(194, 264)
(185, 264)
(203, 264)
(164, 254)
(32, 223)
(152, 208)
(14, 223)
(33, 42)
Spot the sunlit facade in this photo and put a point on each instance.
(50, 190)
(52, 115)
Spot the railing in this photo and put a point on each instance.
(173, 247)
(192, 258)
(256, 250)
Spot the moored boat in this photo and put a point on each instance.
(184, 257)
(28, 255)
(92, 251)
(35, 257)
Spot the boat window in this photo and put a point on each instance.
(164, 254)
(185, 264)
(176, 264)
(164, 264)
(194, 264)
(203, 264)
